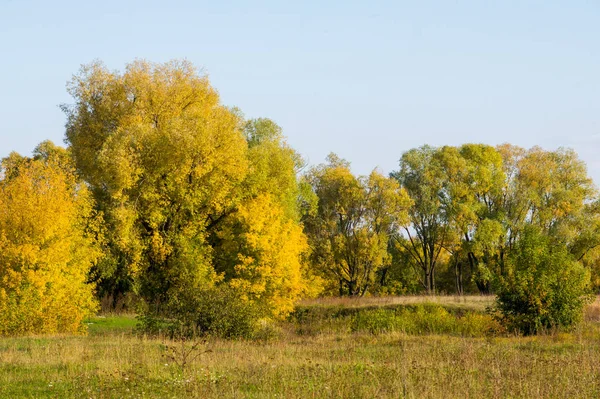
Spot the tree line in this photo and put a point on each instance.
(164, 193)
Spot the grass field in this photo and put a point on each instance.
(476, 302)
(296, 361)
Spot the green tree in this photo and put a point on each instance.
(273, 166)
(474, 181)
(428, 232)
(350, 232)
(544, 288)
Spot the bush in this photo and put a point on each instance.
(216, 312)
(422, 319)
(545, 288)
(48, 242)
(376, 321)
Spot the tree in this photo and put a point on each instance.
(260, 248)
(164, 160)
(350, 231)
(273, 166)
(193, 194)
(474, 180)
(556, 187)
(544, 288)
(48, 242)
(261, 255)
(428, 232)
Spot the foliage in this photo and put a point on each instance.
(261, 255)
(350, 231)
(396, 278)
(423, 319)
(545, 287)
(182, 201)
(48, 242)
(216, 312)
(191, 192)
(162, 157)
(428, 232)
(273, 166)
(472, 204)
(475, 181)
(260, 247)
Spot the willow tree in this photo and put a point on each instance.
(474, 180)
(355, 219)
(428, 232)
(193, 194)
(556, 189)
(164, 159)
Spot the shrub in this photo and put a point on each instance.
(216, 312)
(422, 319)
(376, 321)
(545, 288)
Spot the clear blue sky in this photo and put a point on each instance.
(365, 79)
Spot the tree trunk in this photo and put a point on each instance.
(428, 282)
(384, 273)
(459, 277)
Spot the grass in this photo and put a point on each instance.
(114, 362)
(111, 323)
(470, 302)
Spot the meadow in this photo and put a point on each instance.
(402, 347)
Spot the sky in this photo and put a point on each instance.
(367, 80)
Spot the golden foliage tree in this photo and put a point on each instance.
(264, 251)
(164, 159)
(192, 193)
(48, 242)
(260, 249)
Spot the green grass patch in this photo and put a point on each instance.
(414, 319)
(423, 319)
(99, 325)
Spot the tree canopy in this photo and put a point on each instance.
(165, 194)
(350, 232)
(49, 239)
(180, 179)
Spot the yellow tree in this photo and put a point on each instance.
(260, 249)
(165, 161)
(186, 185)
(261, 255)
(48, 242)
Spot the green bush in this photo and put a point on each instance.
(544, 289)
(422, 319)
(216, 312)
(376, 321)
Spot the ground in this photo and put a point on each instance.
(296, 361)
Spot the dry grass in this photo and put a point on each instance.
(358, 366)
(592, 311)
(113, 363)
(476, 302)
